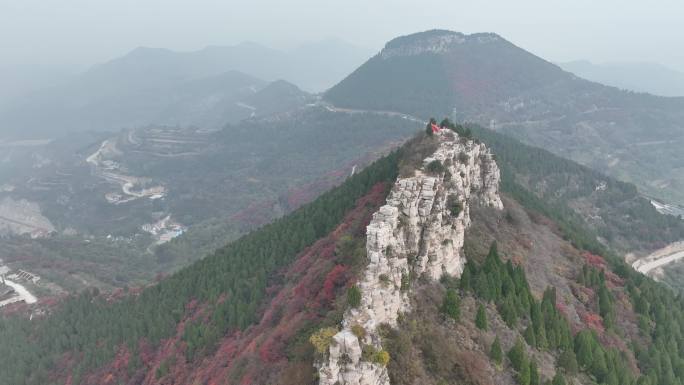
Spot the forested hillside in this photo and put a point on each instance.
(486, 79)
(218, 184)
(561, 307)
(542, 298)
(87, 331)
(615, 210)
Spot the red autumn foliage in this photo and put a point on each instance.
(592, 321)
(560, 306)
(613, 280)
(336, 278)
(308, 286)
(246, 380)
(594, 260)
(599, 262)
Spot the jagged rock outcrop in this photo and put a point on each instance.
(420, 231)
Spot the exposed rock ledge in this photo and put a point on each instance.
(417, 232)
(433, 42)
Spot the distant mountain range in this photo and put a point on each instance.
(485, 79)
(18, 81)
(207, 88)
(314, 67)
(653, 78)
(462, 257)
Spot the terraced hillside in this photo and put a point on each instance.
(149, 200)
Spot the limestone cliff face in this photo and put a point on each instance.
(418, 232)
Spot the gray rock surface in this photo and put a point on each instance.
(415, 233)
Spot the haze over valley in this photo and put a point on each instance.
(255, 196)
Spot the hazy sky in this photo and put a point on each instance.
(83, 32)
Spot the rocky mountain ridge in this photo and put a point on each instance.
(419, 231)
(434, 42)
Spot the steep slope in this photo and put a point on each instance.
(215, 298)
(534, 281)
(614, 210)
(419, 232)
(436, 72)
(485, 79)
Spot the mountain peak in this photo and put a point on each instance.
(436, 41)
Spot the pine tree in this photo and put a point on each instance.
(482, 287)
(612, 379)
(605, 306)
(508, 313)
(599, 366)
(568, 362)
(584, 347)
(542, 342)
(558, 379)
(495, 352)
(465, 283)
(451, 305)
(534, 373)
(524, 375)
(517, 355)
(354, 296)
(530, 337)
(492, 259)
(428, 127)
(481, 318)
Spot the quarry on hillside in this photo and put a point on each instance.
(11, 288)
(23, 217)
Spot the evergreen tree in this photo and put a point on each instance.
(492, 259)
(428, 127)
(558, 379)
(530, 337)
(451, 305)
(606, 306)
(517, 355)
(354, 296)
(598, 365)
(495, 352)
(536, 317)
(568, 362)
(481, 318)
(483, 288)
(612, 379)
(508, 313)
(465, 283)
(534, 373)
(584, 347)
(524, 375)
